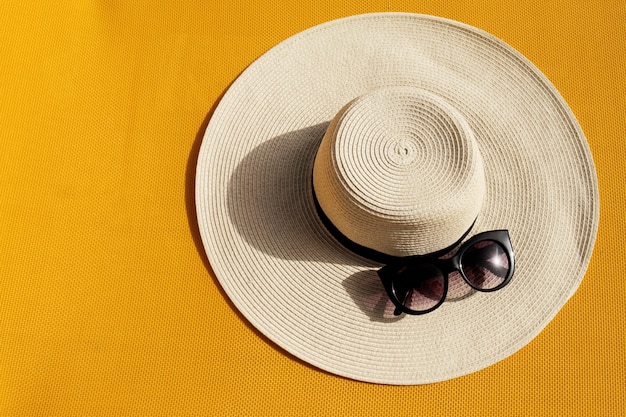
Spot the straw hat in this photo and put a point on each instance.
(406, 133)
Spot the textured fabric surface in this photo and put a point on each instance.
(108, 305)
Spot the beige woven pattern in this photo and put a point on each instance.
(399, 171)
(296, 284)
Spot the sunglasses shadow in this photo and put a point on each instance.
(368, 293)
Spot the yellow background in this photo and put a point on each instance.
(108, 305)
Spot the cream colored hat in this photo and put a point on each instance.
(406, 133)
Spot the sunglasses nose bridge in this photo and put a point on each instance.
(450, 265)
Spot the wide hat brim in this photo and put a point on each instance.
(324, 304)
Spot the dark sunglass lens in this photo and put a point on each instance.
(420, 287)
(486, 265)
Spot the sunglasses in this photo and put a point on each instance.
(419, 284)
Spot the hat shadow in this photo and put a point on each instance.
(192, 219)
(368, 294)
(274, 180)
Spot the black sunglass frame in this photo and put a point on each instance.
(391, 271)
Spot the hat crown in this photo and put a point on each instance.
(399, 171)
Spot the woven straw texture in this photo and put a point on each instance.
(399, 171)
(322, 303)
